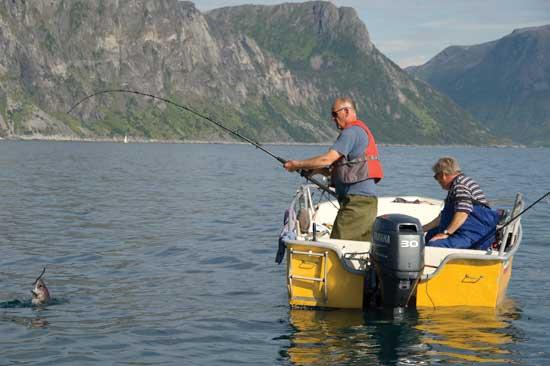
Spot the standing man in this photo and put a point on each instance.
(467, 221)
(355, 168)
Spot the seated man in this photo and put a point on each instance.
(467, 221)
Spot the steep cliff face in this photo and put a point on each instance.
(329, 49)
(504, 83)
(269, 72)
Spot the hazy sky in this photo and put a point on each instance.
(410, 32)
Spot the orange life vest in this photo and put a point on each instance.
(361, 168)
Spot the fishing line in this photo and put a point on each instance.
(244, 138)
(39, 277)
(525, 210)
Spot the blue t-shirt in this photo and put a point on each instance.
(352, 143)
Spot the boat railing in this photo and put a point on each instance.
(512, 230)
(305, 208)
(302, 204)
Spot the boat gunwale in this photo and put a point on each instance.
(487, 256)
(483, 256)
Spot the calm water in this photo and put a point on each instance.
(164, 255)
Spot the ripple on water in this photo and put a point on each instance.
(161, 261)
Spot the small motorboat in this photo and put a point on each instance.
(397, 269)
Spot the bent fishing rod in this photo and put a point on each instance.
(235, 133)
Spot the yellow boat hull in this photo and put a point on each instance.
(466, 282)
(316, 277)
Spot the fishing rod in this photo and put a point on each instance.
(524, 211)
(244, 138)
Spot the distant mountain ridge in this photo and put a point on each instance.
(505, 83)
(268, 72)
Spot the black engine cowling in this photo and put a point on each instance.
(398, 257)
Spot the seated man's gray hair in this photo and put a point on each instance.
(446, 165)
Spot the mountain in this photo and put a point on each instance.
(505, 84)
(268, 72)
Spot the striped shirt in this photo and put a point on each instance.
(464, 193)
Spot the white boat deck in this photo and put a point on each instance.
(354, 254)
(424, 209)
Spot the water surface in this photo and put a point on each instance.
(159, 254)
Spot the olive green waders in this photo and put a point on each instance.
(355, 218)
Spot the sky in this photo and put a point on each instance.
(410, 32)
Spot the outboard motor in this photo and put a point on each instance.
(398, 256)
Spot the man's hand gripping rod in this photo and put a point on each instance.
(304, 174)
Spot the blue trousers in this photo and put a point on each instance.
(453, 241)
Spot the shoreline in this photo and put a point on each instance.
(58, 138)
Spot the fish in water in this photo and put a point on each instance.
(40, 293)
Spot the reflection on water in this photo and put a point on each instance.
(30, 322)
(424, 336)
(477, 335)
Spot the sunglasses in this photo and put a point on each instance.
(335, 113)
